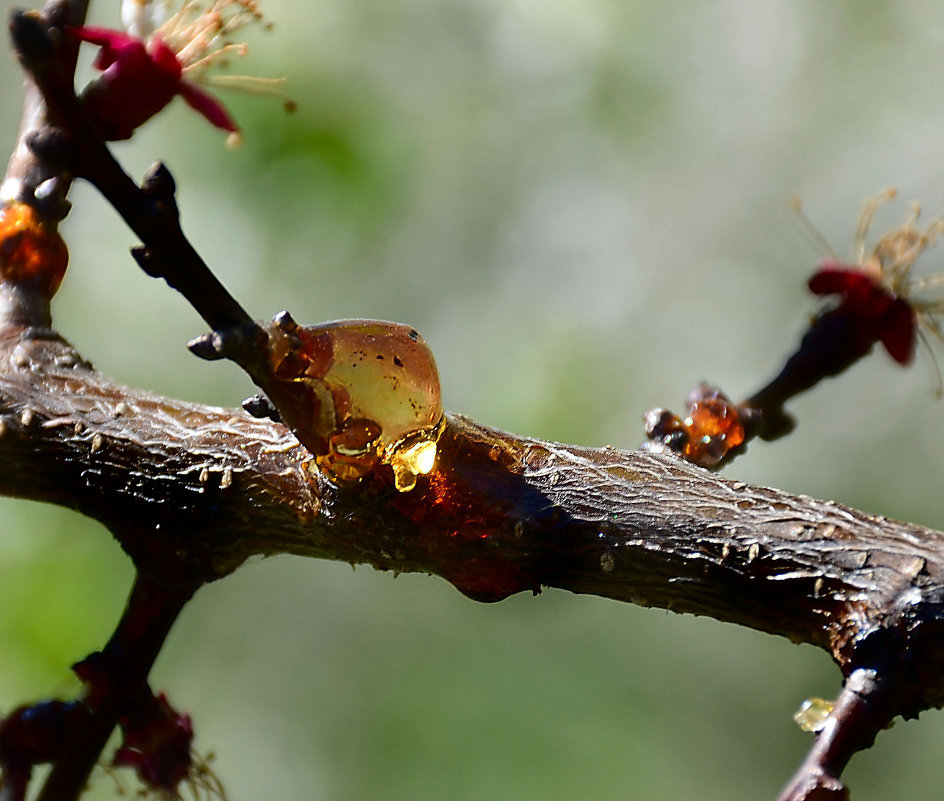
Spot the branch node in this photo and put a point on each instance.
(146, 261)
(242, 344)
(286, 322)
(32, 40)
(53, 145)
(50, 198)
(159, 184)
(210, 346)
(58, 13)
(260, 406)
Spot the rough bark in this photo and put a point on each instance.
(192, 491)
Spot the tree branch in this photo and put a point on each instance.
(191, 492)
(120, 677)
(199, 489)
(861, 710)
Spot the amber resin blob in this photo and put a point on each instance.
(711, 433)
(31, 250)
(358, 393)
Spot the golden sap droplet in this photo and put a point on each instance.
(358, 393)
(411, 460)
(812, 714)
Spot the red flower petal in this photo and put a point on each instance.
(862, 294)
(207, 105)
(877, 314)
(115, 44)
(898, 331)
(164, 58)
(137, 83)
(834, 279)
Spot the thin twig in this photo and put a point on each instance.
(75, 145)
(127, 658)
(861, 711)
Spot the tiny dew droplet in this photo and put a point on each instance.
(358, 393)
(812, 714)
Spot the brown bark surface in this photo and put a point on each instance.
(193, 491)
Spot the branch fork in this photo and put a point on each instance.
(498, 514)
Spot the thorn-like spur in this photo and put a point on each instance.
(146, 261)
(241, 343)
(208, 346)
(285, 321)
(159, 185)
(260, 406)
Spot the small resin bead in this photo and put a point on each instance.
(714, 428)
(812, 714)
(358, 393)
(31, 250)
(711, 431)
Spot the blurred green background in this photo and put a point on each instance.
(582, 204)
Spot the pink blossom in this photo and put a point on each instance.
(873, 313)
(138, 80)
(143, 71)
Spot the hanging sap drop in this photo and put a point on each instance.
(812, 714)
(412, 459)
(358, 393)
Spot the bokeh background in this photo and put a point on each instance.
(582, 204)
